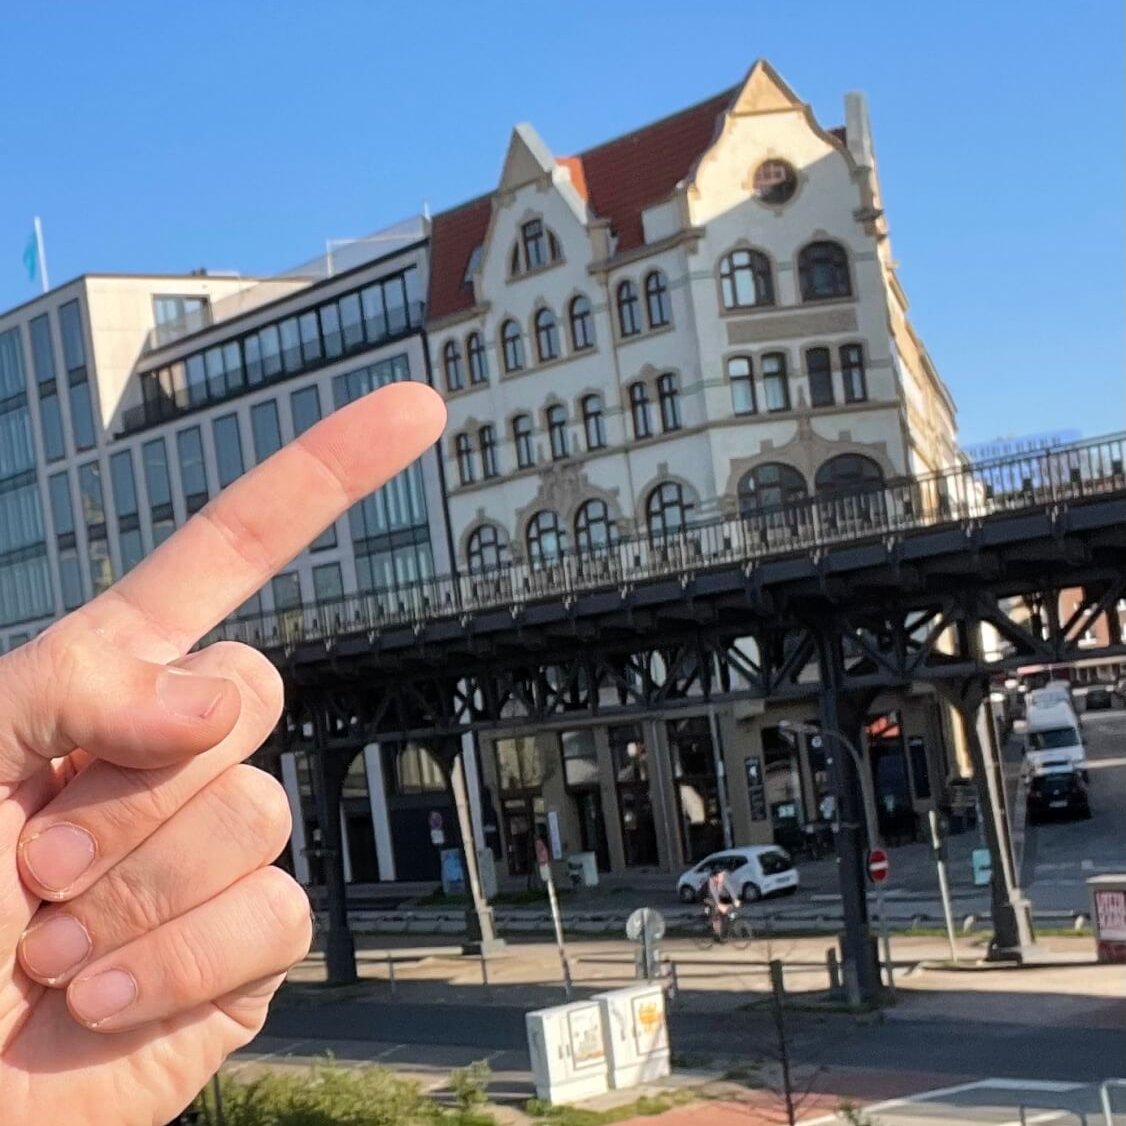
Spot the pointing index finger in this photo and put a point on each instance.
(248, 532)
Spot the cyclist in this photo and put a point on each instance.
(720, 901)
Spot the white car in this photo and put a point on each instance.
(752, 873)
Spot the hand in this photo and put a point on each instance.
(143, 929)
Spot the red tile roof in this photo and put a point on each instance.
(619, 179)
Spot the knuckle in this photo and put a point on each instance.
(253, 806)
(286, 907)
(191, 965)
(132, 905)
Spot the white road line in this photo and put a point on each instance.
(1045, 1086)
(1048, 1116)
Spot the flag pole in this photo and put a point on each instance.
(42, 254)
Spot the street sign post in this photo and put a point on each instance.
(878, 866)
(939, 848)
(646, 926)
(543, 860)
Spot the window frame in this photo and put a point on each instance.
(639, 404)
(660, 502)
(512, 346)
(744, 380)
(522, 430)
(463, 455)
(594, 414)
(533, 233)
(779, 378)
(451, 366)
(854, 371)
(534, 535)
(581, 313)
(547, 336)
(746, 266)
(585, 522)
(487, 444)
(555, 418)
(840, 267)
(668, 402)
(820, 379)
(484, 538)
(626, 297)
(477, 359)
(657, 292)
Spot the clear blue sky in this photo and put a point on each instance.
(158, 138)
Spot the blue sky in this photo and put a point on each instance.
(158, 138)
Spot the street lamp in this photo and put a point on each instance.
(871, 830)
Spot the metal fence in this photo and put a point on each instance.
(969, 493)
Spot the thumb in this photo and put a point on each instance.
(70, 688)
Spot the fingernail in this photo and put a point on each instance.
(187, 694)
(55, 947)
(59, 855)
(96, 999)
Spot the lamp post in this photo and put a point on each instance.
(871, 829)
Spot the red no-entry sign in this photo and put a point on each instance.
(878, 866)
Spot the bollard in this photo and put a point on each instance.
(484, 970)
(391, 973)
(777, 981)
(968, 923)
(1080, 923)
(674, 983)
(834, 968)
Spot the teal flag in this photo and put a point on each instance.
(31, 257)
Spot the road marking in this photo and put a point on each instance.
(1044, 1086)
(1047, 1116)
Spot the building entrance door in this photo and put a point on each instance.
(697, 788)
(635, 802)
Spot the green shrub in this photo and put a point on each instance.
(470, 1086)
(330, 1095)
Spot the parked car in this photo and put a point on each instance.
(1099, 698)
(753, 872)
(1053, 739)
(1058, 793)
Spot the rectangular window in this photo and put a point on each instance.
(232, 367)
(310, 337)
(74, 343)
(132, 550)
(375, 319)
(819, 368)
(70, 578)
(306, 409)
(155, 458)
(327, 584)
(775, 385)
(168, 308)
(290, 344)
(162, 529)
(17, 446)
(42, 350)
(330, 330)
(81, 417)
(270, 345)
(352, 324)
(12, 379)
(535, 253)
(101, 570)
(287, 591)
(51, 424)
(267, 433)
(252, 355)
(228, 449)
(90, 494)
(216, 378)
(124, 484)
(21, 519)
(193, 473)
(395, 302)
(852, 373)
(62, 511)
(197, 380)
(668, 396)
(522, 439)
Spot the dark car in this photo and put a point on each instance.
(1058, 793)
(1099, 699)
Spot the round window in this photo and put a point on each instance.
(775, 181)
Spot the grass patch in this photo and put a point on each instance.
(648, 1106)
(330, 1095)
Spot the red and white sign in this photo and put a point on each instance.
(1110, 915)
(878, 866)
(543, 858)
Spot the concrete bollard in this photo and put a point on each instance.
(834, 967)
(968, 923)
(391, 973)
(1080, 922)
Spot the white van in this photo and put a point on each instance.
(1054, 692)
(1053, 740)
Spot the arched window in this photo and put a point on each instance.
(666, 510)
(594, 422)
(848, 473)
(478, 361)
(582, 324)
(740, 374)
(595, 530)
(657, 299)
(513, 344)
(547, 336)
(557, 431)
(417, 771)
(487, 440)
(487, 548)
(819, 369)
(745, 280)
(639, 410)
(668, 398)
(629, 313)
(546, 538)
(451, 360)
(769, 488)
(522, 440)
(464, 448)
(823, 271)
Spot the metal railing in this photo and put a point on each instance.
(968, 493)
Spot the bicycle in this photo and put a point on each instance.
(732, 928)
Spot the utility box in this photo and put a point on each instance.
(582, 868)
(568, 1052)
(1108, 916)
(637, 1034)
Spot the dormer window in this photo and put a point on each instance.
(537, 248)
(472, 264)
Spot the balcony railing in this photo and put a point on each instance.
(1028, 482)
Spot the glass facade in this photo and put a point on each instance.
(74, 359)
(193, 472)
(389, 527)
(228, 449)
(50, 414)
(266, 428)
(25, 584)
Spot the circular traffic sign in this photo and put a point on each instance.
(645, 920)
(878, 865)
